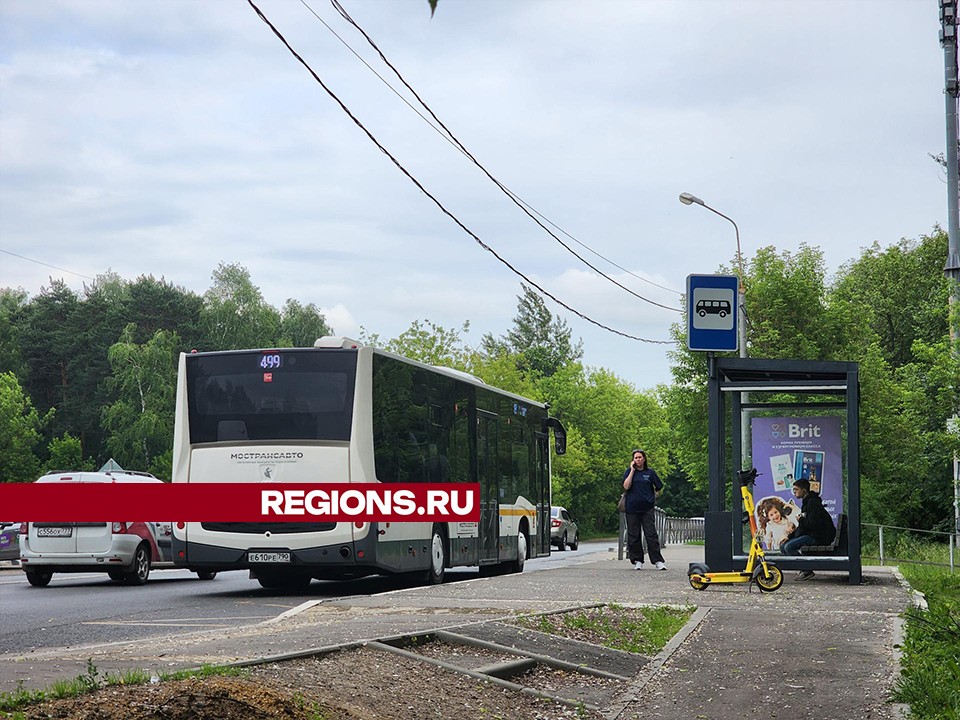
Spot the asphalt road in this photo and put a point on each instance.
(90, 609)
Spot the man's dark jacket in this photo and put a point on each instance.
(815, 520)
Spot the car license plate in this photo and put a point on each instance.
(54, 532)
(268, 557)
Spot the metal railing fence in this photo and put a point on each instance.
(670, 530)
(891, 544)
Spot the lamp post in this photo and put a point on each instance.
(688, 199)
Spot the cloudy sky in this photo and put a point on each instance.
(163, 138)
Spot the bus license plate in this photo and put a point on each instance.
(54, 532)
(268, 557)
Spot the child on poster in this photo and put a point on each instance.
(777, 520)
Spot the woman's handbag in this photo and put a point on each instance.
(622, 505)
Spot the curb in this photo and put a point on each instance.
(620, 705)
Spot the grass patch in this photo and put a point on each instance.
(930, 677)
(92, 680)
(643, 630)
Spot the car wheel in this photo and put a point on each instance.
(576, 541)
(562, 545)
(141, 567)
(39, 578)
(206, 574)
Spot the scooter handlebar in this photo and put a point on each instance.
(747, 477)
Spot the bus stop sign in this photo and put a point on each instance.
(712, 312)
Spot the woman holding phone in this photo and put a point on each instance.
(642, 487)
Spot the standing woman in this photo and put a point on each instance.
(642, 486)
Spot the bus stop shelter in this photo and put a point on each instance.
(802, 420)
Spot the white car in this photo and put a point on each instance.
(126, 551)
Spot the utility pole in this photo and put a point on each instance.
(948, 40)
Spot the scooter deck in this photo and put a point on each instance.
(723, 577)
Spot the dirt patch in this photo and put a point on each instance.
(362, 684)
(359, 684)
(225, 698)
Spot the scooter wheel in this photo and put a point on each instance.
(772, 581)
(694, 573)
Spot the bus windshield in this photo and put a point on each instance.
(271, 395)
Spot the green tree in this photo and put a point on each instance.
(66, 454)
(46, 340)
(900, 293)
(542, 343)
(140, 420)
(432, 344)
(12, 303)
(159, 305)
(301, 325)
(612, 418)
(503, 371)
(787, 308)
(235, 315)
(20, 427)
(896, 300)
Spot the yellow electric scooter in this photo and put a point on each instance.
(766, 575)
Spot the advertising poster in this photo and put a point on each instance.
(789, 448)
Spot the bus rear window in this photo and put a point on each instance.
(298, 395)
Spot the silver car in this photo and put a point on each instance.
(10, 541)
(563, 530)
(126, 551)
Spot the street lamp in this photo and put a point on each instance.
(688, 199)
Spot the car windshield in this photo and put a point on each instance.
(555, 512)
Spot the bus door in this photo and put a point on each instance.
(542, 542)
(487, 474)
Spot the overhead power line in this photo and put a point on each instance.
(436, 202)
(448, 135)
(38, 262)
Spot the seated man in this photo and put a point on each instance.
(815, 526)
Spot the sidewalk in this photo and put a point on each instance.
(819, 649)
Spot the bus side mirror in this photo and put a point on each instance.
(559, 434)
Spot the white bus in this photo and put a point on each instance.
(341, 412)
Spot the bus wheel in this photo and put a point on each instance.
(517, 565)
(437, 557)
(141, 567)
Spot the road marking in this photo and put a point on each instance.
(292, 611)
(177, 622)
(131, 623)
